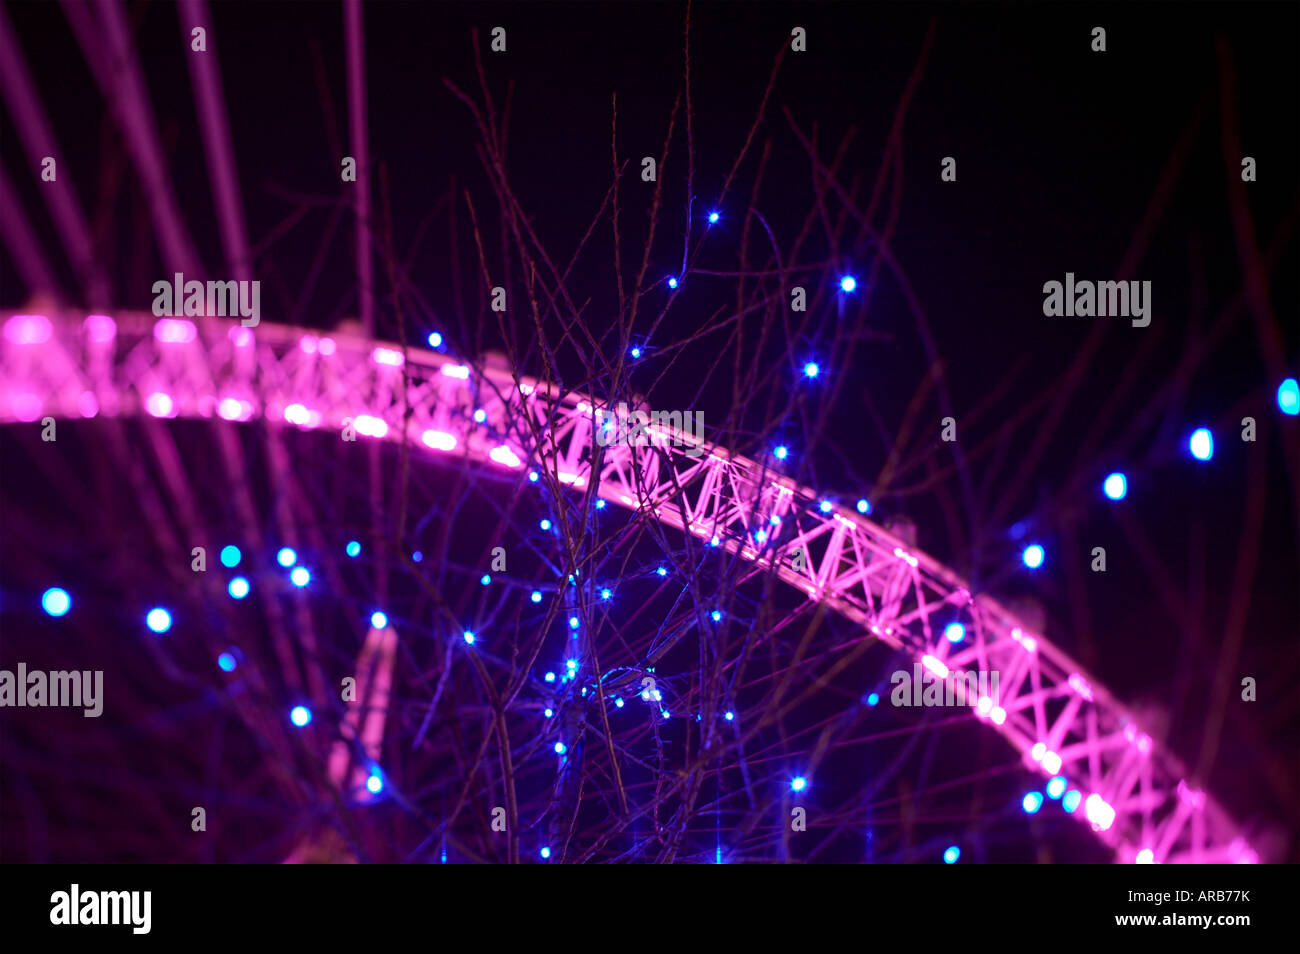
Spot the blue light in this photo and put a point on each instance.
(713, 217)
(1071, 800)
(417, 556)
(636, 352)
(378, 620)
(811, 370)
(230, 556)
(435, 340)
(730, 716)
(238, 588)
(1032, 802)
(606, 594)
(672, 282)
(665, 713)
(1056, 786)
(286, 557)
(1201, 444)
(600, 505)
(485, 579)
(1033, 556)
(799, 784)
(469, 637)
(717, 616)
(480, 416)
(158, 619)
(955, 632)
(353, 548)
(572, 664)
(951, 854)
(873, 699)
(536, 597)
(549, 677)
(715, 541)
(1288, 397)
(375, 784)
(548, 711)
(300, 576)
(848, 283)
(546, 524)
(300, 716)
(1115, 486)
(825, 506)
(661, 571)
(226, 662)
(532, 475)
(560, 748)
(864, 506)
(573, 622)
(782, 452)
(55, 601)
(546, 852)
(618, 703)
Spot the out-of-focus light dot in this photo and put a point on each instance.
(300, 715)
(435, 340)
(713, 217)
(782, 452)
(56, 601)
(378, 620)
(548, 711)
(1115, 486)
(1145, 857)
(661, 571)
(600, 505)
(546, 852)
(636, 352)
(730, 716)
(864, 506)
(480, 416)
(717, 616)
(546, 524)
(873, 699)
(417, 556)
(353, 548)
(672, 282)
(158, 619)
(1056, 787)
(606, 594)
(532, 475)
(300, 576)
(1033, 556)
(238, 588)
(811, 370)
(469, 637)
(572, 664)
(286, 557)
(848, 283)
(226, 662)
(1288, 397)
(1071, 800)
(825, 506)
(716, 541)
(1032, 802)
(485, 579)
(375, 784)
(951, 854)
(550, 677)
(798, 784)
(1201, 444)
(955, 632)
(230, 556)
(560, 748)
(536, 597)
(573, 622)
(618, 703)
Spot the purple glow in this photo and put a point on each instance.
(100, 328)
(175, 331)
(160, 404)
(28, 329)
(439, 440)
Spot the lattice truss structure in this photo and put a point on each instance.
(1135, 795)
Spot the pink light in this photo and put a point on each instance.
(1145, 857)
(370, 426)
(160, 404)
(1099, 812)
(1080, 685)
(387, 356)
(1144, 743)
(456, 371)
(504, 455)
(439, 440)
(308, 344)
(935, 666)
(28, 329)
(233, 409)
(567, 478)
(297, 414)
(1028, 642)
(27, 407)
(983, 705)
(1038, 751)
(240, 336)
(87, 404)
(998, 715)
(175, 331)
(1190, 797)
(100, 328)
(1051, 763)
(910, 560)
(327, 346)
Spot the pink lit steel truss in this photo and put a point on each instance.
(1134, 795)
